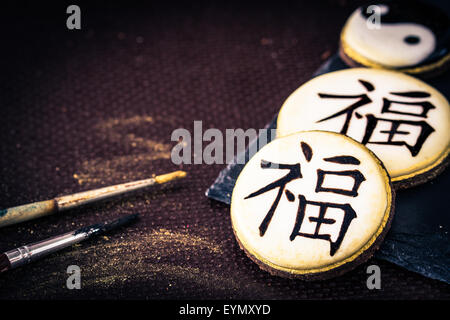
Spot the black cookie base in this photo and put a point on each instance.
(422, 178)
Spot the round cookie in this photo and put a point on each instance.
(404, 121)
(406, 36)
(311, 205)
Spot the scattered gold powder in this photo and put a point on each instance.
(140, 151)
(114, 122)
(154, 244)
(207, 279)
(116, 170)
(164, 236)
(143, 256)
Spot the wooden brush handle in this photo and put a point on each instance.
(26, 212)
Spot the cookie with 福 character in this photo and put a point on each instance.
(312, 205)
(403, 120)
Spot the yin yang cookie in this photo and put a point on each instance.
(311, 205)
(404, 121)
(406, 36)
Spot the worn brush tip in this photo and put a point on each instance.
(119, 222)
(170, 176)
(4, 263)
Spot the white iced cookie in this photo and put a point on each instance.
(311, 205)
(404, 121)
(406, 36)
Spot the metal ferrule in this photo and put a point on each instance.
(31, 252)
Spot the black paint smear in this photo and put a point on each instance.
(307, 151)
(343, 160)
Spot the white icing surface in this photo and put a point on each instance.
(304, 253)
(386, 45)
(304, 108)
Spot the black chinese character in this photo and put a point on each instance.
(363, 100)
(357, 176)
(348, 212)
(425, 105)
(410, 108)
(295, 173)
(425, 131)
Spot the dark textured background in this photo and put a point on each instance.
(85, 109)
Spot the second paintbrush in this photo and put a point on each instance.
(43, 208)
(33, 251)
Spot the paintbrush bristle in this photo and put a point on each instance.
(4, 263)
(118, 222)
(170, 176)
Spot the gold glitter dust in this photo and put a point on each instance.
(125, 259)
(141, 151)
(140, 256)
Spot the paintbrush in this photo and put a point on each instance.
(43, 208)
(31, 252)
